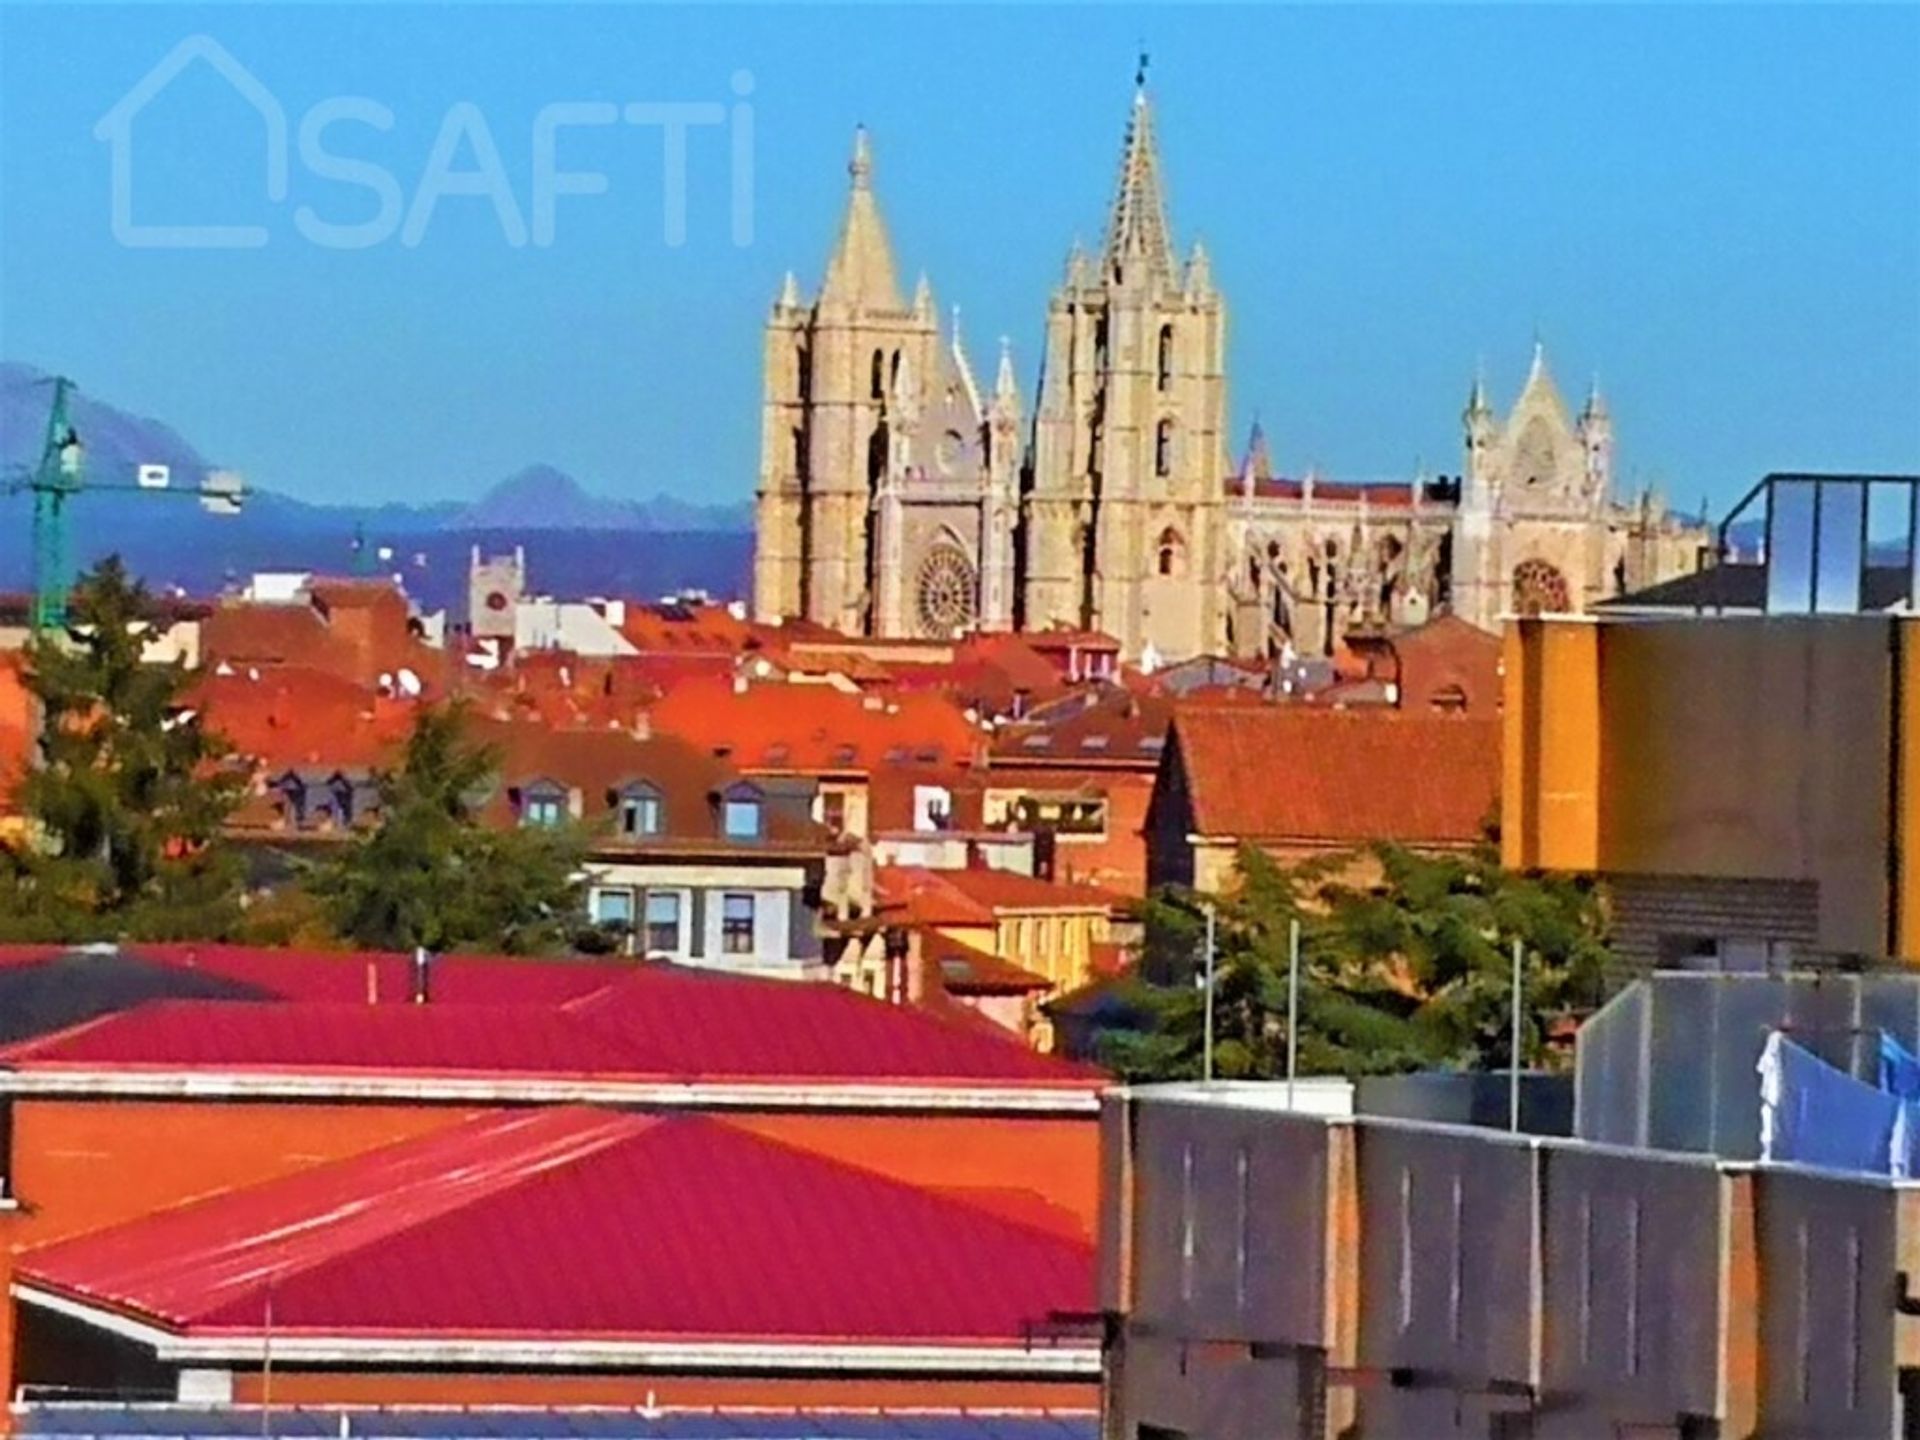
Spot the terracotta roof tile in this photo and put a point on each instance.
(823, 729)
(1284, 772)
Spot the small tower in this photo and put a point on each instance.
(1595, 428)
(832, 371)
(1482, 431)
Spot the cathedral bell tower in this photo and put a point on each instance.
(1121, 515)
(832, 373)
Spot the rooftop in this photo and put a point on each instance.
(656, 1034)
(582, 1236)
(1338, 776)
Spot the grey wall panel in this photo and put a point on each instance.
(1753, 748)
(1827, 1256)
(1448, 1254)
(1231, 1223)
(1633, 1249)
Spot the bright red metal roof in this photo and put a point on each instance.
(652, 1023)
(573, 1223)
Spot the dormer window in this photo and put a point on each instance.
(543, 805)
(641, 812)
(740, 817)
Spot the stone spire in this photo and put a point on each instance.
(1139, 242)
(861, 270)
(1596, 406)
(1478, 409)
(1539, 378)
(1257, 464)
(790, 292)
(1006, 390)
(1199, 271)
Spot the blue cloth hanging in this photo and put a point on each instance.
(1812, 1113)
(1899, 1068)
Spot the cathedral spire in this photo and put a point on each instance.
(1477, 406)
(1540, 388)
(861, 271)
(1006, 390)
(1138, 239)
(1257, 464)
(1596, 407)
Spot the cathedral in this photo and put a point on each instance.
(898, 498)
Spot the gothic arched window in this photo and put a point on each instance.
(1163, 448)
(879, 374)
(1164, 367)
(1173, 553)
(1539, 589)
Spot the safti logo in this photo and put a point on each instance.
(464, 161)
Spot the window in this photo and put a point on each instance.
(543, 805)
(663, 922)
(740, 816)
(879, 374)
(1164, 369)
(1163, 448)
(1173, 552)
(640, 811)
(833, 810)
(736, 924)
(612, 907)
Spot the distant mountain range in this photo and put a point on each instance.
(577, 543)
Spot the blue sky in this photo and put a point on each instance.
(1717, 209)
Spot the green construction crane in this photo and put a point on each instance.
(61, 475)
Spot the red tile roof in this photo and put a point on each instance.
(816, 728)
(1282, 772)
(654, 1025)
(573, 1224)
(1382, 493)
(969, 970)
(296, 715)
(1097, 727)
(977, 896)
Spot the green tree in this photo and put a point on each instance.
(432, 874)
(124, 809)
(1410, 969)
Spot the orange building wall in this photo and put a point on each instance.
(695, 1391)
(1118, 860)
(1550, 781)
(81, 1165)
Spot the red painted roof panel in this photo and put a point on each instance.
(582, 1224)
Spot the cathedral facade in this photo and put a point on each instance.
(1530, 526)
(899, 498)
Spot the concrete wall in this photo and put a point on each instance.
(1433, 1282)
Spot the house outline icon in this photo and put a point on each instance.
(116, 129)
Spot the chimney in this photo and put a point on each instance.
(422, 975)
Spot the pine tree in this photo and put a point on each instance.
(432, 874)
(1410, 968)
(125, 806)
